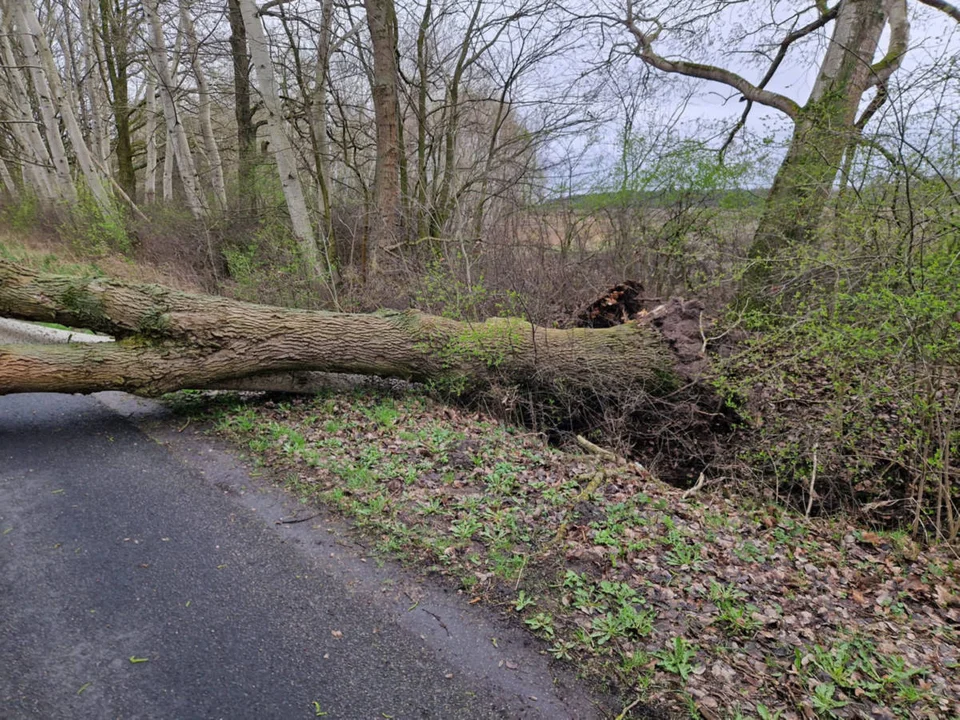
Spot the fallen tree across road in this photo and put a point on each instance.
(168, 340)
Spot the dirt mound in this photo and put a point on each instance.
(618, 305)
(681, 323)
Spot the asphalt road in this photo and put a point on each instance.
(146, 576)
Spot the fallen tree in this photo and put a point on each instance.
(168, 340)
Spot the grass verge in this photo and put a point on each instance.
(686, 605)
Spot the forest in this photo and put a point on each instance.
(716, 241)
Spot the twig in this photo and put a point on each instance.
(696, 488)
(628, 708)
(706, 340)
(298, 520)
(813, 480)
(597, 450)
(437, 618)
(520, 574)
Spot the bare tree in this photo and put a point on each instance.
(176, 133)
(280, 145)
(823, 126)
(382, 24)
(204, 109)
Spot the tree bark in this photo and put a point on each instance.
(243, 111)
(35, 41)
(37, 167)
(9, 185)
(204, 103)
(176, 133)
(150, 172)
(48, 111)
(93, 87)
(280, 145)
(169, 340)
(118, 28)
(382, 20)
(823, 131)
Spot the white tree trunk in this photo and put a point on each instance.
(38, 171)
(8, 183)
(168, 167)
(177, 144)
(36, 43)
(279, 142)
(150, 172)
(93, 87)
(48, 112)
(204, 103)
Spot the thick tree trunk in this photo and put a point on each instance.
(170, 340)
(825, 128)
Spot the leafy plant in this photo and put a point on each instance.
(523, 601)
(678, 657)
(542, 623)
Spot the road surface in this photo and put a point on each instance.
(146, 576)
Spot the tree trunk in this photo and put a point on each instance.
(118, 28)
(280, 145)
(92, 84)
(318, 130)
(176, 133)
(64, 99)
(823, 130)
(9, 185)
(170, 340)
(150, 172)
(36, 164)
(48, 112)
(243, 112)
(381, 20)
(166, 181)
(203, 106)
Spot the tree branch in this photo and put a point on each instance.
(951, 10)
(826, 15)
(899, 38)
(751, 92)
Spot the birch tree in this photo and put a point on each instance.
(35, 43)
(280, 145)
(178, 146)
(150, 130)
(45, 102)
(95, 99)
(204, 102)
(8, 184)
(37, 167)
